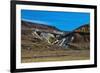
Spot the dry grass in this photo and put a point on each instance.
(44, 52)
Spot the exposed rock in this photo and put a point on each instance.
(39, 33)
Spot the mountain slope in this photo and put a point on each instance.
(34, 32)
(26, 24)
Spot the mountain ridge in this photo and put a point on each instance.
(31, 24)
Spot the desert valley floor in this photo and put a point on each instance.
(53, 53)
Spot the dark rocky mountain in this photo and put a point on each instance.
(80, 37)
(82, 33)
(38, 33)
(84, 29)
(39, 27)
(34, 33)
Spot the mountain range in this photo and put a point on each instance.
(36, 33)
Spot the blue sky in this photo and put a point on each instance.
(66, 21)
